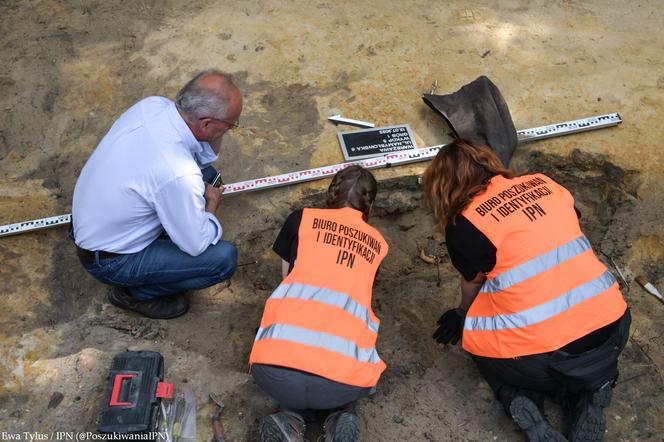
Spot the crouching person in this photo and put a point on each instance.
(143, 218)
(315, 348)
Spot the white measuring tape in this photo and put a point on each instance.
(392, 159)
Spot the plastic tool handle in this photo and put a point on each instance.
(117, 387)
(218, 430)
(217, 181)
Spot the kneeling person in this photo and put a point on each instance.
(539, 313)
(315, 348)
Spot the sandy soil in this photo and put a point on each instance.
(68, 68)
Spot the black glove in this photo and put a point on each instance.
(450, 326)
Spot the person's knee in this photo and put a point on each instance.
(226, 259)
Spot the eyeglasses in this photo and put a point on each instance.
(230, 124)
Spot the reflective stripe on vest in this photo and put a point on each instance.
(544, 311)
(319, 319)
(326, 296)
(536, 265)
(547, 287)
(317, 339)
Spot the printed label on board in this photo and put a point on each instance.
(374, 142)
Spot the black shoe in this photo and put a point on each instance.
(282, 426)
(588, 423)
(529, 418)
(342, 426)
(163, 307)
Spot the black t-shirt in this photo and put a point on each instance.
(470, 250)
(287, 240)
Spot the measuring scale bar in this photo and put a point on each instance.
(392, 159)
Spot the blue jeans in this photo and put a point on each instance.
(163, 269)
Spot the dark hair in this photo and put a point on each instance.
(198, 102)
(460, 170)
(353, 187)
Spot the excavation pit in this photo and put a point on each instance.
(427, 393)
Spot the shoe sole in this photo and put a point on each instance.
(345, 429)
(603, 397)
(271, 430)
(592, 418)
(118, 304)
(529, 418)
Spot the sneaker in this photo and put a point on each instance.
(163, 307)
(588, 423)
(283, 426)
(529, 418)
(342, 426)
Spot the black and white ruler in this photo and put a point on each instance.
(389, 160)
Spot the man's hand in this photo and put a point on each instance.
(212, 197)
(450, 327)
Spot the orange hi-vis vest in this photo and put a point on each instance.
(548, 288)
(319, 319)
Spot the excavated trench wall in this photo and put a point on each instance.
(428, 391)
(410, 293)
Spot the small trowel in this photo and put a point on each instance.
(217, 427)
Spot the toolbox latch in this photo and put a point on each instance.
(164, 390)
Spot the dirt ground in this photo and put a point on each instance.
(69, 68)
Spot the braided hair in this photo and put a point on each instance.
(353, 187)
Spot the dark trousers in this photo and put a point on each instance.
(527, 376)
(539, 375)
(299, 391)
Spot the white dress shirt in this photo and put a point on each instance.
(145, 176)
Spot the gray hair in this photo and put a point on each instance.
(197, 102)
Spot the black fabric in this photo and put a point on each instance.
(527, 376)
(287, 240)
(470, 250)
(592, 340)
(297, 390)
(590, 370)
(533, 375)
(478, 112)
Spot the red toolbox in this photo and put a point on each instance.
(135, 387)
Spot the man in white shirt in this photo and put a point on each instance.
(143, 217)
